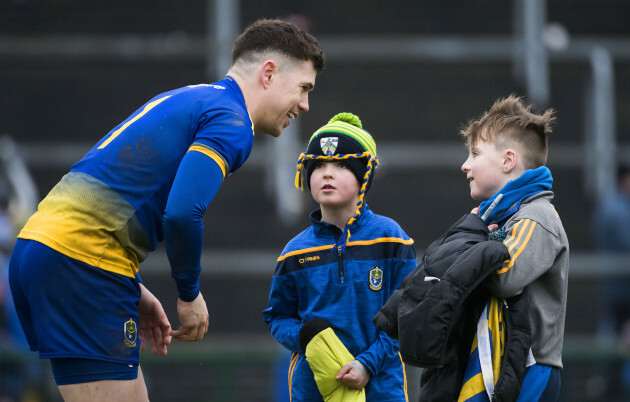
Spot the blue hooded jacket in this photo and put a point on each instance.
(346, 288)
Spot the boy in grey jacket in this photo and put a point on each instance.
(506, 172)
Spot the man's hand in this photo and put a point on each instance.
(193, 320)
(154, 326)
(354, 375)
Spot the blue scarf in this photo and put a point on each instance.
(507, 201)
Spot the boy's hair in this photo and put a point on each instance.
(510, 122)
(280, 37)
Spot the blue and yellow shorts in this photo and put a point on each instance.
(83, 318)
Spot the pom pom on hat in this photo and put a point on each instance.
(347, 118)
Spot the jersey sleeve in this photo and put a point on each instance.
(379, 353)
(226, 137)
(196, 183)
(282, 314)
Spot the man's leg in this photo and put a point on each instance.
(107, 390)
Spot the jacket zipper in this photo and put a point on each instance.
(340, 264)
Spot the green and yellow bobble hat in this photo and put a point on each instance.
(343, 138)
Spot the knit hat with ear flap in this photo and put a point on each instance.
(343, 139)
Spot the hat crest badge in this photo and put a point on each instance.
(329, 145)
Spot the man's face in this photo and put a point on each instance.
(484, 170)
(287, 96)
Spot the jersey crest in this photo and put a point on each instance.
(131, 333)
(376, 279)
(329, 145)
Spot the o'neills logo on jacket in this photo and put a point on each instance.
(308, 259)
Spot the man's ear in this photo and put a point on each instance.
(509, 160)
(268, 72)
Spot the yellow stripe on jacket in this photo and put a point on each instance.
(349, 244)
(516, 243)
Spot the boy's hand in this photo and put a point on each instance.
(491, 228)
(354, 375)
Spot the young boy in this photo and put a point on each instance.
(333, 277)
(473, 308)
(506, 172)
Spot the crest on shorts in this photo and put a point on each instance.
(376, 279)
(329, 145)
(131, 333)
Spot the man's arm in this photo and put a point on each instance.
(197, 181)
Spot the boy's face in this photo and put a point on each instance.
(287, 96)
(484, 170)
(334, 186)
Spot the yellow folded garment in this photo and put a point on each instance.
(327, 355)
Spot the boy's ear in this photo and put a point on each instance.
(509, 160)
(268, 72)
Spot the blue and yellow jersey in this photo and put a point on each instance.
(484, 363)
(108, 210)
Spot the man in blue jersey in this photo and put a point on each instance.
(74, 268)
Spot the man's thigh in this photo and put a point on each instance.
(106, 390)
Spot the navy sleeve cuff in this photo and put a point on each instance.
(187, 288)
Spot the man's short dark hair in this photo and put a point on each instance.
(275, 35)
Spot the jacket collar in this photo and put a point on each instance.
(547, 194)
(324, 228)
